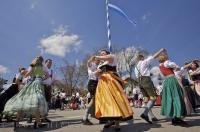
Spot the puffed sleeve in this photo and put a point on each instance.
(170, 64)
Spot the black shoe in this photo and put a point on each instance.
(109, 124)
(181, 122)
(87, 122)
(146, 118)
(154, 119)
(174, 122)
(102, 122)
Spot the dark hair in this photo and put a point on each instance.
(140, 56)
(196, 64)
(21, 68)
(107, 52)
(48, 60)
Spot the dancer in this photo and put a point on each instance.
(179, 74)
(48, 82)
(92, 65)
(30, 101)
(172, 97)
(194, 73)
(111, 103)
(142, 72)
(13, 89)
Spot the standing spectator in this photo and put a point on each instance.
(58, 101)
(62, 99)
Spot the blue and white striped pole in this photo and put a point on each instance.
(108, 27)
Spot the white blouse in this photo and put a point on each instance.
(114, 63)
(91, 71)
(170, 64)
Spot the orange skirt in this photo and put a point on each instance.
(111, 103)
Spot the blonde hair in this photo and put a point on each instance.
(37, 61)
(162, 58)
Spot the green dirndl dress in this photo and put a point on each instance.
(172, 99)
(30, 100)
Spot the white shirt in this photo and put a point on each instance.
(49, 80)
(62, 95)
(135, 91)
(114, 63)
(140, 96)
(88, 95)
(159, 88)
(77, 95)
(170, 64)
(18, 76)
(91, 71)
(143, 67)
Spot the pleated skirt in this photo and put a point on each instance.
(111, 103)
(29, 101)
(172, 99)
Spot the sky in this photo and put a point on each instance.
(72, 29)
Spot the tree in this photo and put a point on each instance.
(127, 60)
(75, 75)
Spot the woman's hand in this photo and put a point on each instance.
(98, 72)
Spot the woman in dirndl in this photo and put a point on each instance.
(173, 105)
(194, 73)
(111, 103)
(13, 89)
(30, 101)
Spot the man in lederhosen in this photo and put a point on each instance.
(142, 72)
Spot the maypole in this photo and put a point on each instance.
(108, 27)
(121, 12)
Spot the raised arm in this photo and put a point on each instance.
(18, 79)
(90, 61)
(187, 65)
(29, 71)
(109, 58)
(158, 53)
(196, 72)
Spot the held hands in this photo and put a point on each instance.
(94, 58)
(98, 72)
